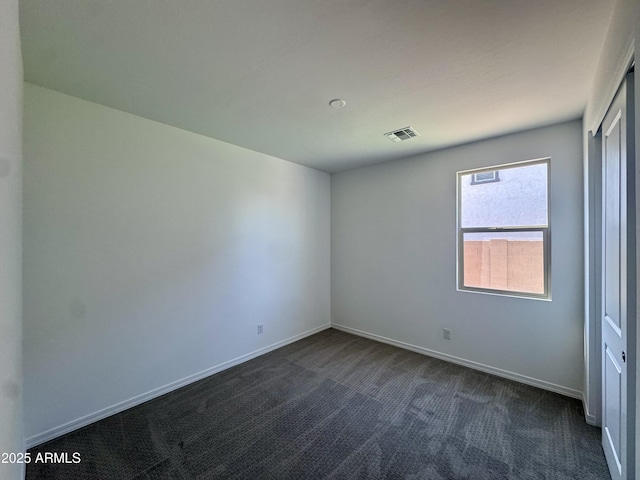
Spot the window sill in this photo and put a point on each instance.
(506, 294)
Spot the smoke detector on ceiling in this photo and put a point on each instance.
(403, 134)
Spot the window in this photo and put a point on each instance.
(503, 229)
(485, 177)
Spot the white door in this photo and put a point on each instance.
(617, 440)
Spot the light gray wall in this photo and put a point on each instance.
(393, 244)
(152, 253)
(11, 437)
(620, 46)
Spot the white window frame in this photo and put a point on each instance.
(544, 229)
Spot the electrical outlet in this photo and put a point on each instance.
(260, 328)
(446, 333)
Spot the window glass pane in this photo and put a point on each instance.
(509, 261)
(517, 198)
(486, 176)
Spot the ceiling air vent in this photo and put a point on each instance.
(403, 134)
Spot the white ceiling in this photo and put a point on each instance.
(260, 73)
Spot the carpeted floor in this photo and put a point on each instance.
(335, 405)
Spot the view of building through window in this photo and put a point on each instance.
(503, 229)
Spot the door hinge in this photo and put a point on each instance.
(624, 357)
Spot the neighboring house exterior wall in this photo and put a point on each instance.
(519, 198)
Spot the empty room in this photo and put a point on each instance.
(339, 239)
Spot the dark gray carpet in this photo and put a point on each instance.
(337, 406)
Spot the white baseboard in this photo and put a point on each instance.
(569, 392)
(589, 417)
(138, 399)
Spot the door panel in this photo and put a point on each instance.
(612, 192)
(612, 387)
